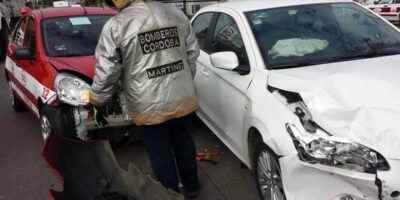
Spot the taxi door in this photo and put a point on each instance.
(22, 63)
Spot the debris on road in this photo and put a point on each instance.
(212, 155)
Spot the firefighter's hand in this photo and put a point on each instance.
(90, 98)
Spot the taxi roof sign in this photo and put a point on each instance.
(57, 4)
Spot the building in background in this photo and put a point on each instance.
(190, 7)
(13, 9)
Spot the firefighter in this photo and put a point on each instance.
(150, 49)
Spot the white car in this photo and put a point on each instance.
(389, 9)
(306, 93)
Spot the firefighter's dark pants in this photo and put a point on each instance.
(172, 151)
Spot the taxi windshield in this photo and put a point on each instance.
(322, 33)
(72, 36)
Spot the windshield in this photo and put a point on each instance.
(72, 36)
(315, 34)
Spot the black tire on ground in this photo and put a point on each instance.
(266, 164)
(16, 103)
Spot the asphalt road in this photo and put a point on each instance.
(25, 176)
(23, 172)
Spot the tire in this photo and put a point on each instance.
(267, 174)
(46, 122)
(57, 120)
(16, 103)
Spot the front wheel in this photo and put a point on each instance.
(56, 120)
(268, 174)
(46, 122)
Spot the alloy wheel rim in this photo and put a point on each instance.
(269, 178)
(45, 127)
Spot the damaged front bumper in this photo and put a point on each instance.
(304, 181)
(87, 127)
(390, 181)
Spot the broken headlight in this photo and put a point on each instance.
(319, 147)
(70, 89)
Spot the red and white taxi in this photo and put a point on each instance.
(389, 9)
(50, 62)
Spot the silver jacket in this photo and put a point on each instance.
(152, 49)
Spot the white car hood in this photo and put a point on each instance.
(359, 100)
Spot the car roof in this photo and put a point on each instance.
(72, 11)
(251, 5)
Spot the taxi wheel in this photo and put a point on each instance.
(268, 174)
(46, 122)
(57, 120)
(16, 102)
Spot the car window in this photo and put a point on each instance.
(226, 37)
(397, 1)
(72, 36)
(29, 39)
(19, 33)
(322, 33)
(201, 26)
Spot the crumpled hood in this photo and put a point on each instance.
(359, 100)
(83, 65)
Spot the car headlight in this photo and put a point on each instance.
(71, 89)
(322, 148)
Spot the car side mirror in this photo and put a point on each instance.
(229, 60)
(225, 60)
(24, 54)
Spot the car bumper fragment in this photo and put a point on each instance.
(390, 181)
(85, 122)
(91, 171)
(303, 181)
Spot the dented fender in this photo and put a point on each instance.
(269, 120)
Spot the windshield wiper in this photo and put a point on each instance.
(294, 65)
(73, 55)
